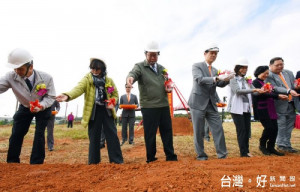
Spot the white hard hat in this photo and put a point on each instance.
(152, 47)
(241, 61)
(18, 57)
(211, 47)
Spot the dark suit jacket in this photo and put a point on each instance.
(55, 106)
(204, 87)
(279, 87)
(133, 100)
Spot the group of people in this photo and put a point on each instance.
(275, 110)
(274, 107)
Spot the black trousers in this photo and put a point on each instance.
(269, 134)
(243, 126)
(152, 119)
(102, 138)
(94, 131)
(70, 124)
(128, 121)
(22, 121)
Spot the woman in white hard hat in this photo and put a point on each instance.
(240, 104)
(98, 89)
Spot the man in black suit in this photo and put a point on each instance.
(128, 115)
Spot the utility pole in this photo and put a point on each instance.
(66, 112)
(76, 112)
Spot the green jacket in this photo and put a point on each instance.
(86, 86)
(151, 85)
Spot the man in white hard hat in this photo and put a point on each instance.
(28, 85)
(283, 82)
(153, 102)
(202, 102)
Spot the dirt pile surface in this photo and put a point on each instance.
(66, 169)
(185, 175)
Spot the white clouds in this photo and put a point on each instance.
(63, 35)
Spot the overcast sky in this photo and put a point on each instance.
(63, 35)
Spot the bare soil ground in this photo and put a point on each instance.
(66, 168)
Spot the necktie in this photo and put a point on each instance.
(209, 69)
(154, 69)
(28, 84)
(285, 84)
(128, 97)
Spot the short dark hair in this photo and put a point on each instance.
(275, 59)
(260, 69)
(237, 69)
(98, 64)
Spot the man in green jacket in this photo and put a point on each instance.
(154, 103)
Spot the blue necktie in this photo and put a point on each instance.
(28, 84)
(154, 69)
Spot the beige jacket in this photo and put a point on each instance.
(21, 90)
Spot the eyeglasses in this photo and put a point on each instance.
(152, 55)
(129, 87)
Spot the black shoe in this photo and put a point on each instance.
(264, 150)
(223, 157)
(172, 158)
(202, 158)
(102, 146)
(151, 160)
(51, 149)
(291, 150)
(131, 143)
(273, 151)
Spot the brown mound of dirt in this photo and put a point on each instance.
(180, 125)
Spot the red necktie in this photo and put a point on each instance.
(209, 69)
(285, 84)
(128, 97)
